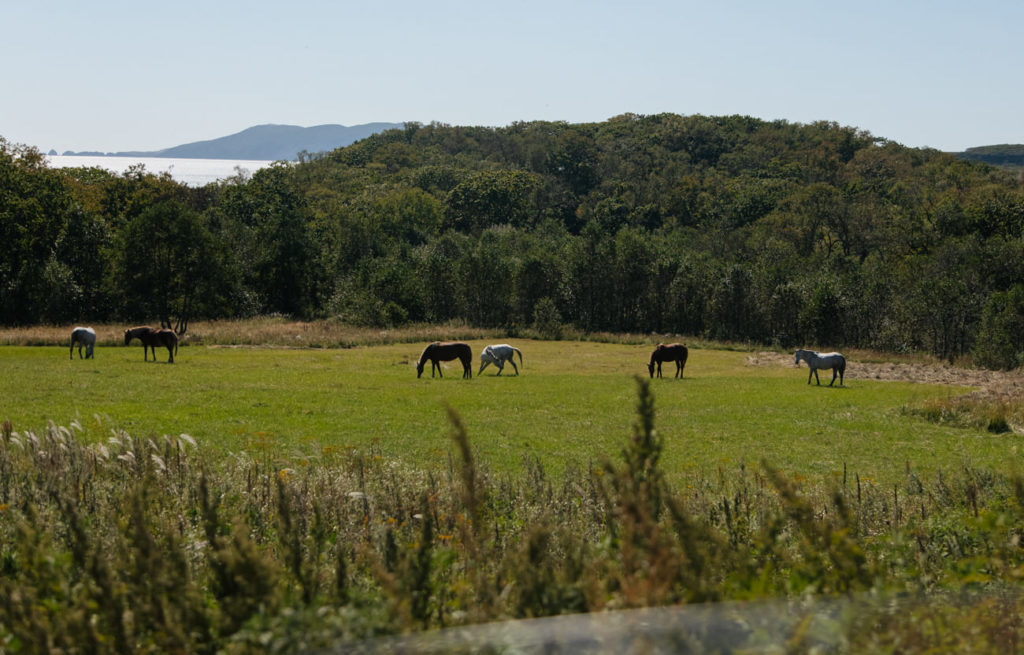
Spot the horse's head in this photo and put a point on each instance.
(127, 337)
(800, 354)
(419, 367)
(650, 367)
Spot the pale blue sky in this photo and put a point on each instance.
(138, 75)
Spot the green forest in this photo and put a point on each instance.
(728, 228)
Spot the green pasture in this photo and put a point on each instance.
(573, 404)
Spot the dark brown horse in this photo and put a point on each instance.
(673, 352)
(438, 352)
(152, 338)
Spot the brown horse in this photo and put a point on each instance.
(438, 352)
(673, 352)
(151, 338)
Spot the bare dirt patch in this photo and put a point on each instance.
(993, 385)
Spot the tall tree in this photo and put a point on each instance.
(169, 265)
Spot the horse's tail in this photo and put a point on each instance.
(520, 355)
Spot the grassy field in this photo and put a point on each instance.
(573, 404)
(328, 503)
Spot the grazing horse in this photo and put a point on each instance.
(815, 360)
(151, 338)
(83, 336)
(438, 352)
(498, 355)
(673, 352)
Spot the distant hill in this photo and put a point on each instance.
(266, 142)
(1004, 156)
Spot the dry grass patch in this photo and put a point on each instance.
(996, 402)
(264, 331)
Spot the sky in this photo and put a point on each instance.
(130, 75)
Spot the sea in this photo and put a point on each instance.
(190, 172)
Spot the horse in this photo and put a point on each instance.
(83, 336)
(815, 360)
(499, 354)
(673, 352)
(151, 338)
(438, 352)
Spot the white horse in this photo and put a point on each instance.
(498, 354)
(815, 360)
(83, 336)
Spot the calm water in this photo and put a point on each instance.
(192, 172)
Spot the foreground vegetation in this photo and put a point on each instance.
(148, 545)
(327, 498)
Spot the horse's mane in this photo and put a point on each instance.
(423, 355)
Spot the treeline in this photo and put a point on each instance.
(1007, 155)
(730, 228)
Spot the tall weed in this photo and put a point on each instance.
(147, 545)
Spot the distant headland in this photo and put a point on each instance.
(262, 142)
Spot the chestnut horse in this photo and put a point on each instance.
(438, 352)
(673, 352)
(151, 338)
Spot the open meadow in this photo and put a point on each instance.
(572, 405)
(325, 498)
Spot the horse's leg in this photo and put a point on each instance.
(500, 364)
(810, 374)
(170, 354)
(835, 373)
(679, 369)
(513, 363)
